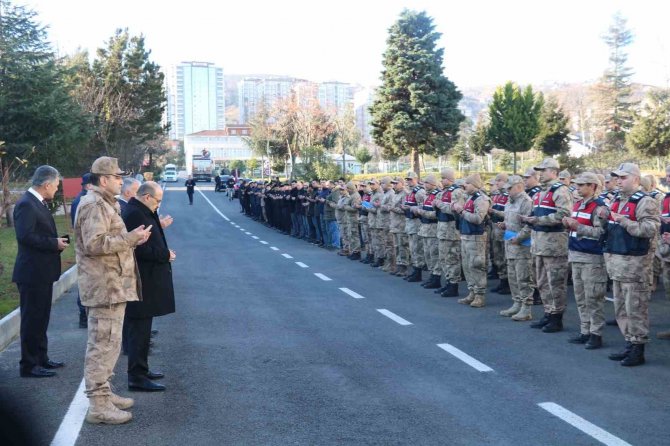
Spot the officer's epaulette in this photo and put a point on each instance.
(476, 195)
(599, 201)
(654, 193)
(505, 194)
(435, 191)
(556, 186)
(417, 188)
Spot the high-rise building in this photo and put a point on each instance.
(362, 102)
(254, 93)
(334, 97)
(195, 98)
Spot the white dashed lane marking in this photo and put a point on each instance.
(322, 277)
(394, 317)
(585, 426)
(469, 360)
(287, 256)
(274, 248)
(353, 294)
(301, 265)
(264, 242)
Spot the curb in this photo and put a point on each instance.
(10, 324)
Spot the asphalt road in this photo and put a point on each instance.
(264, 351)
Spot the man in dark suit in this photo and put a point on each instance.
(154, 262)
(128, 191)
(37, 267)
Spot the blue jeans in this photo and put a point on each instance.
(304, 227)
(295, 227)
(317, 228)
(334, 233)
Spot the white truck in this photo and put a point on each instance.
(202, 168)
(170, 173)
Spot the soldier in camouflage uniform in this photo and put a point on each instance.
(376, 224)
(414, 198)
(649, 184)
(550, 245)
(633, 221)
(397, 227)
(532, 184)
(517, 250)
(352, 205)
(565, 177)
(497, 214)
(448, 234)
(363, 223)
(343, 221)
(428, 232)
(108, 278)
(589, 275)
(384, 222)
(473, 215)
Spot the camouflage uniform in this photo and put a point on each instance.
(499, 201)
(397, 229)
(384, 220)
(351, 207)
(473, 246)
(428, 233)
(448, 234)
(519, 263)
(630, 273)
(343, 221)
(363, 224)
(108, 278)
(376, 224)
(412, 225)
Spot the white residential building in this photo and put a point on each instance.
(223, 145)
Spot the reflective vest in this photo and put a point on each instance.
(468, 228)
(532, 191)
(362, 210)
(428, 206)
(410, 200)
(665, 212)
(499, 203)
(583, 213)
(545, 207)
(619, 241)
(446, 198)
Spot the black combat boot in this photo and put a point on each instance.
(622, 354)
(579, 339)
(555, 323)
(377, 263)
(434, 282)
(368, 258)
(492, 273)
(503, 288)
(355, 256)
(594, 342)
(635, 357)
(442, 289)
(537, 300)
(416, 275)
(451, 291)
(542, 322)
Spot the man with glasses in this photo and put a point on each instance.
(154, 263)
(107, 280)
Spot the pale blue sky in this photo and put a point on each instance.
(486, 42)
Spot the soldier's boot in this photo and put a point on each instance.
(663, 335)
(542, 322)
(622, 354)
(496, 288)
(468, 299)
(479, 301)
(451, 291)
(122, 402)
(416, 275)
(102, 411)
(442, 289)
(343, 252)
(390, 267)
(503, 288)
(377, 263)
(401, 270)
(537, 300)
(579, 339)
(635, 357)
(524, 314)
(511, 311)
(355, 256)
(555, 323)
(594, 342)
(434, 282)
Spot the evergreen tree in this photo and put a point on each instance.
(515, 118)
(415, 110)
(650, 135)
(553, 137)
(613, 92)
(363, 156)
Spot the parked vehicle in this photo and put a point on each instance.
(170, 173)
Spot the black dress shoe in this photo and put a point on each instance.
(155, 375)
(144, 384)
(53, 364)
(37, 372)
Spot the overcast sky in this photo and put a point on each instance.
(486, 42)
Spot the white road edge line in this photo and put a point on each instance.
(322, 277)
(394, 317)
(301, 265)
(287, 256)
(274, 248)
(469, 360)
(255, 237)
(580, 423)
(212, 205)
(69, 428)
(353, 294)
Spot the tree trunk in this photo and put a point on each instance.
(416, 167)
(514, 163)
(6, 193)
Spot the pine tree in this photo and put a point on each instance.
(514, 118)
(553, 137)
(416, 107)
(613, 92)
(650, 135)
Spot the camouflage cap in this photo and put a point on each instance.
(625, 169)
(530, 172)
(564, 174)
(373, 181)
(431, 180)
(514, 179)
(411, 174)
(448, 172)
(588, 178)
(474, 180)
(351, 186)
(106, 165)
(548, 163)
(502, 176)
(385, 180)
